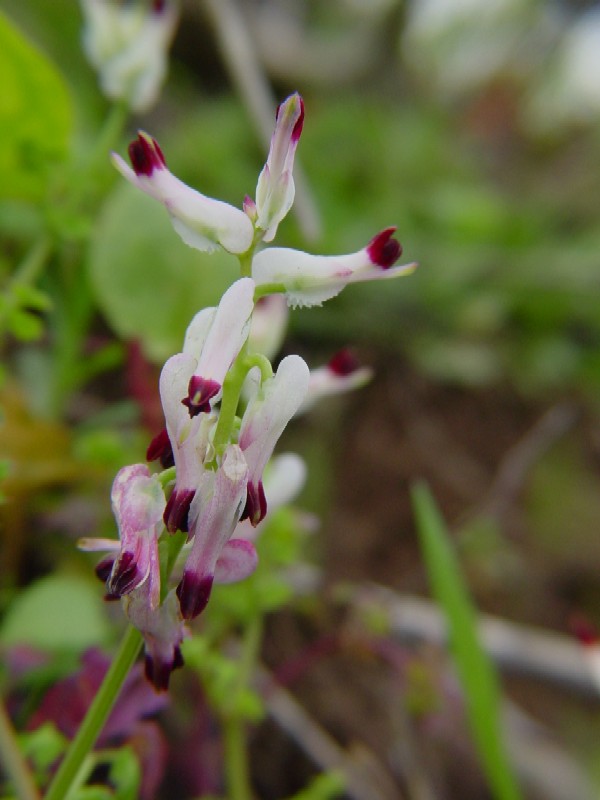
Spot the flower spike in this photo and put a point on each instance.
(202, 222)
(310, 280)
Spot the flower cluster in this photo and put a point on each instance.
(225, 407)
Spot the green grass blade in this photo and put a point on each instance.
(475, 671)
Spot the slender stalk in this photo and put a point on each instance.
(237, 773)
(92, 725)
(13, 762)
(232, 387)
(237, 768)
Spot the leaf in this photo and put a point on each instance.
(59, 612)
(147, 282)
(35, 115)
(476, 673)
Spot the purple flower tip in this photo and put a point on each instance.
(344, 362)
(383, 250)
(160, 448)
(256, 503)
(176, 511)
(193, 593)
(158, 672)
(200, 392)
(145, 155)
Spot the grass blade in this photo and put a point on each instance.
(475, 671)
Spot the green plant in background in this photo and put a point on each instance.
(475, 670)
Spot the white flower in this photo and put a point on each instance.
(275, 188)
(309, 280)
(127, 43)
(202, 222)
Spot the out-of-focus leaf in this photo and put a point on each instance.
(476, 673)
(59, 612)
(323, 787)
(43, 745)
(147, 282)
(35, 115)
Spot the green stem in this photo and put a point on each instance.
(232, 387)
(237, 773)
(92, 725)
(237, 769)
(13, 762)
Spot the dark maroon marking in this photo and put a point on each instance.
(176, 511)
(125, 575)
(177, 657)
(145, 156)
(299, 123)
(383, 250)
(111, 598)
(160, 448)
(158, 672)
(256, 504)
(343, 363)
(200, 393)
(193, 593)
(584, 631)
(104, 568)
(158, 6)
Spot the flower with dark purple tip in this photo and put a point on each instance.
(310, 280)
(214, 514)
(268, 412)
(202, 222)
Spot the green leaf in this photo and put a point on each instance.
(476, 673)
(35, 115)
(147, 282)
(59, 612)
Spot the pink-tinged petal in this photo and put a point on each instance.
(269, 324)
(265, 418)
(310, 280)
(163, 630)
(342, 374)
(216, 340)
(214, 513)
(202, 222)
(275, 188)
(138, 503)
(237, 561)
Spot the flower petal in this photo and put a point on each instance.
(202, 222)
(310, 280)
(237, 561)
